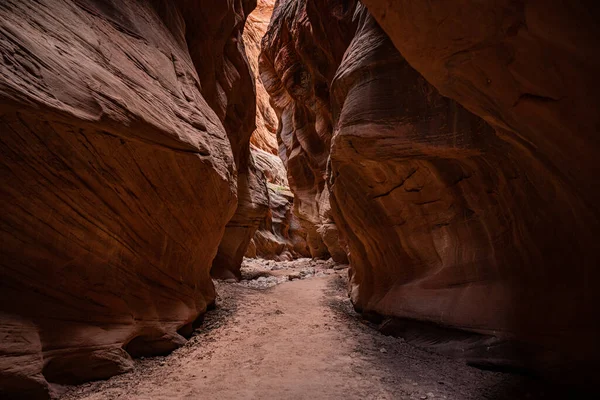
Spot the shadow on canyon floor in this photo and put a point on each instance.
(449, 375)
(289, 331)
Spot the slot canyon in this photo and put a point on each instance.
(299, 199)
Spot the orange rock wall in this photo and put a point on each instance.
(301, 50)
(280, 235)
(264, 137)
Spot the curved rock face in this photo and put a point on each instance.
(480, 226)
(301, 50)
(229, 89)
(280, 235)
(421, 189)
(119, 154)
(264, 137)
(527, 269)
(253, 206)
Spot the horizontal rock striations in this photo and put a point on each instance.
(230, 90)
(450, 220)
(528, 68)
(280, 235)
(123, 127)
(264, 137)
(301, 50)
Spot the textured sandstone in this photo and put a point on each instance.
(301, 50)
(119, 152)
(448, 219)
(253, 207)
(264, 137)
(229, 89)
(415, 181)
(279, 236)
(524, 259)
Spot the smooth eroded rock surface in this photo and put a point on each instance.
(480, 226)
(264, 137)
(230, 90)
(123, 124)
(530, 69)
(280, 235)
(301, 50)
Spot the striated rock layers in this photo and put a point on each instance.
(119, 148)
(280, 235)
(230, 90)
(522, 264)
(302, 47)
(421, 189)
(264, 137)
(449, 220)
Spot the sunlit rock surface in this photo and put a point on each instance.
(279, 236)
(301, 50)
(264, 137)
(230, 90)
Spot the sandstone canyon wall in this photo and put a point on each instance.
(529, 68)
(264, 137)
(228, 85)
(123, 128)
(303, 45)
(448, 219)
(279, 236)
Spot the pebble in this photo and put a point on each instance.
(383, 350)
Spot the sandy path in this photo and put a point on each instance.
(300, 340)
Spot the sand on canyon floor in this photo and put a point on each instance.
(288, 331)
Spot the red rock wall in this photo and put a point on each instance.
(448, 219)
(530, 69)
(264, 137)
(228, 85)
(119, 156)
(280, 235)
(422, 189)
(301, 50)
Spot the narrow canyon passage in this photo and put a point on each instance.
(300, 339)
(421, 176)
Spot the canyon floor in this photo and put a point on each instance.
(288, 331)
